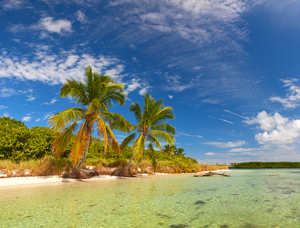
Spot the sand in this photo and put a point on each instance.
(15, 181)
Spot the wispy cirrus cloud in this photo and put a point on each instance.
(81, 17)
(227, 144)
(3, 107)
(189, 135)
(50, 103)
(235, 114)
(12, 4)
(293, 96)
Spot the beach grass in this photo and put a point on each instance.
(51, 166)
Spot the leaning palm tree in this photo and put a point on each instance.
(96, 94)
(151, 128)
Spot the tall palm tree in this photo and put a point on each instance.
(96, 94)
(151, 127)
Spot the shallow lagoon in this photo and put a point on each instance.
(249, 198)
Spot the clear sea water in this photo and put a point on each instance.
(249, 198)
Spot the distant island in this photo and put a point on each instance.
(266, 165)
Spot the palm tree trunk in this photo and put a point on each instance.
(130, 161)
(86, 148)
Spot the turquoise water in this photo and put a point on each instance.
(249, 198)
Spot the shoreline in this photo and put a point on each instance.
(23, 181)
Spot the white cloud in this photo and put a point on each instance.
(81, 17)
(30, 98)
(276, 129)
(293, 96)
(227, 145)
(59, 26)
(3, 107)
(47, 116)
(54, 69)
(7, 92)
(38, 120)
(50, 103)
(12, 5)
(211, 101)
(210, 153)
(197, 67)
(170, 96)
(133, 85)
(26, 118)
(189, 135)
(144, 90)
(240, 150)
(234, 114)
(227, 121)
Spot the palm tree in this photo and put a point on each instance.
(96, 94)
(151, 127)
(170, 149)
(180, 152)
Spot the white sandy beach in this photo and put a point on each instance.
(14, 181)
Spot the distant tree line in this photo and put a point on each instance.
(266, 165)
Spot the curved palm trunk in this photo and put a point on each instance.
(90, 130)
(130, 161)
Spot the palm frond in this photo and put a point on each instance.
(139, 146)
(112, 97)
(61, 119)
(153, 139)
(129, 139)
(161, 135)
(117, 122)
(163, 115)
(96, 106)
(165, 127)
(136, 109)
(62, 140)
(114, 143)
(76, 90)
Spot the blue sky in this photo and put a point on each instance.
(229, 68)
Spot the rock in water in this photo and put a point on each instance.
(224, 226)
(200, 202)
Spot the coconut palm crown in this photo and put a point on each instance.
(151, 128)
(96, 94)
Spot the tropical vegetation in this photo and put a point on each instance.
(151, 128)
(96, 94)
(68, 144)
(266, 165)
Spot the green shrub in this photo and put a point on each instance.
(17, 142)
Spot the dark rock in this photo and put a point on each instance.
(179, 226)
(80, 174)
(199, 202)
(121, 173)
(224, 226)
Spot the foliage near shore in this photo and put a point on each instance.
(266, 165)
(27, 152)
(51, 166)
